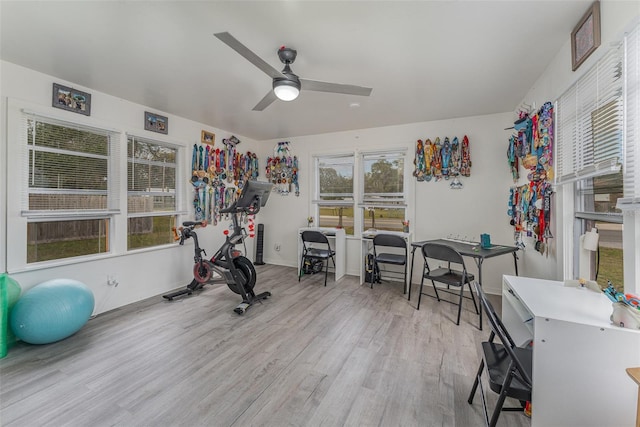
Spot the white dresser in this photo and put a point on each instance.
(579, 356)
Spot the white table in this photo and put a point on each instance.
(579, 356)
(337, 240)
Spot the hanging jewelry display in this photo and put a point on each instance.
(449, 160)
(530, 213)
(282, 170)
(531, 146)
(218, 175)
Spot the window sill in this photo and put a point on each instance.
(44, 265)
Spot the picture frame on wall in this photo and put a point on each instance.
(585, 37)
(71, 99)
(208, 137)
(156, 123)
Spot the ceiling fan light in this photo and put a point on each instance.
(286, 90)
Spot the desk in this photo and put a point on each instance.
(337, 240)
(367, 242)
(470, 249)
(579, 357)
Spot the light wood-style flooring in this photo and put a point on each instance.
(308, 356)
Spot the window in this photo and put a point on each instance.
(151, 193)
(71, 189)
(589, 156)
(597, 149)
(383, 200)
(596, 208)
(380, 192)
(335, 192)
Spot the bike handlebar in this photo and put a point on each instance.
(252, 209)
(230, 209)
(193, 224)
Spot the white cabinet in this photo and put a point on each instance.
(579, 357)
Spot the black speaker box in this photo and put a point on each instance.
(260, 245)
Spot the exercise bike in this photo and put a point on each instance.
(236, 270)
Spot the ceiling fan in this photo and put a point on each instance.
(286, 85)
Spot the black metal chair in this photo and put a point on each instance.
(446, 275)
(393, 241)
(509, 367)
(313, 248)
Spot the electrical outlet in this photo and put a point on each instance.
(277, 247)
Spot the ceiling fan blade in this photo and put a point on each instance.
(319, 86)
(266, 101)
(244, 51)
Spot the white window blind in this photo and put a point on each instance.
(71, 168)
(631, 171)
(152, 203)
(590, 122)
(151, 177)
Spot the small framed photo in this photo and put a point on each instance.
(585, 37)
(208, 138)
(71, 99)
(156, 123)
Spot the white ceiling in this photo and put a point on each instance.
(425, 60)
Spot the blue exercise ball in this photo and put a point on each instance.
(52, 311)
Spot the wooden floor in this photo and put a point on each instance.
(308, 356)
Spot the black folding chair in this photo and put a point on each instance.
(393, 241)
(509, 367)
(437, 252)
(313, 247)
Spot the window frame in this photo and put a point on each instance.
(586, 216)
(17, 216)
(318, 202)
(173, 214)
(17, 118)
(574, 216)
(365, 204)
(358, 202)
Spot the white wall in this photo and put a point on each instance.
(434, 210)
(616, 18)
(482, 205)
(141, 274)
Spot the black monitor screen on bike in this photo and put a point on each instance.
(252, 191)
